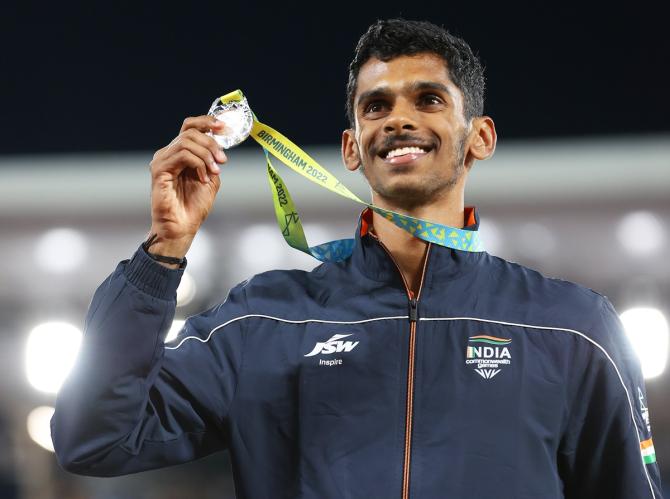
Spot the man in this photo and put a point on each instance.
(410, 369)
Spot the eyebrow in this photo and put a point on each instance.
(430, 85)
(416, 86)
(375, 92)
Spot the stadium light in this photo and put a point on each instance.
(647, 329)
(641, 233)
(177, 324)
(39, 428)
(491, 235)
(61, 250)
(51, 350)
(186, 290)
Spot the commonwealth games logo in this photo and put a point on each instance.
(488, 354)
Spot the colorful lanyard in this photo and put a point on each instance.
(288, 219)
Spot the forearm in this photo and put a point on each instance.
(119, 410)
(106, 394)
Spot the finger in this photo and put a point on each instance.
(171, 158)
(216, 182)
(204, 123)
(207, 142)
(184, 160)
(159, 154)
(205, 154)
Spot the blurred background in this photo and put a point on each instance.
(89, 90)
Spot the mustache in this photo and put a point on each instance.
(391, 141)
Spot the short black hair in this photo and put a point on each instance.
(387, 39)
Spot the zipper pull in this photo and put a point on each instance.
(413, 310)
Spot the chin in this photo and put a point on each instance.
(403, 193)
(411, 192)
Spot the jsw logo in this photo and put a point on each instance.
(333, 345)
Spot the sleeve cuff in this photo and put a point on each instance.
(151, 277)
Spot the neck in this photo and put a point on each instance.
(408, 251)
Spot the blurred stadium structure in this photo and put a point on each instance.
(597, 212)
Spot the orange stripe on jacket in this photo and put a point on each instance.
(646, 444)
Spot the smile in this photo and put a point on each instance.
(401, 151)
(402, 155)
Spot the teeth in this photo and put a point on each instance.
(404, 150)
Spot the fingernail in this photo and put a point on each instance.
(215, 167)
(221, 157)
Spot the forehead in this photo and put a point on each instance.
(400, 72)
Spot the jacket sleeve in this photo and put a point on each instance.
(132, 404)
(607, 450)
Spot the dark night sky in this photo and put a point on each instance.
(122, 77)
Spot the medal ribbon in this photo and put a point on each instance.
(282, 148)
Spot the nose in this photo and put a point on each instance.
(400, 119)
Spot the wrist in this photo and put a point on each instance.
(170, 253)
(160, 245)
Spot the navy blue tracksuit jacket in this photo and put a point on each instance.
(493, 382)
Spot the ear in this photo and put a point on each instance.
(482, 140)
(350, 155)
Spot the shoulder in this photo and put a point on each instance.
(282, 278)
(277, 289)
(549, 301)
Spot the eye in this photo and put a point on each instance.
(430, 100)
(376, 106)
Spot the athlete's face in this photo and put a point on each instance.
(411, 139)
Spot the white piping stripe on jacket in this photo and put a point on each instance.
(281, 320)
(546, 328)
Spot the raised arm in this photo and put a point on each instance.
(130, 404)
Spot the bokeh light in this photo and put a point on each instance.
(51, 350)
(39, 426)
(647, 329)
(177, 324)
(61, 250)
(641, 233)
(186, 290)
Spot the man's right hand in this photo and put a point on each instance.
(184, 183)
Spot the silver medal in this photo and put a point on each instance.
(238, 119)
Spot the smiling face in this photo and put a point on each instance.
(411, 138)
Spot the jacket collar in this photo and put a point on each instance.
(371, 259)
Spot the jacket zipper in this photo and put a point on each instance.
(413, 319)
